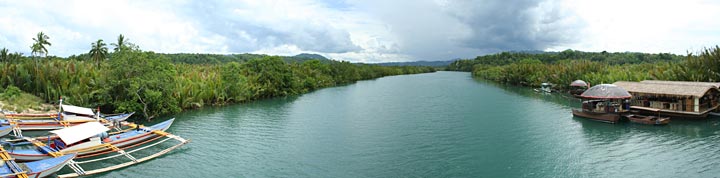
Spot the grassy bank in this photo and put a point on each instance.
(596, 68)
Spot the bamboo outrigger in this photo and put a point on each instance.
(83, 141)
(41, 168)
(69, 115)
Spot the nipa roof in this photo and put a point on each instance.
(668, 87)
(77, 110)
(713, 84)
(606, 91)
(79, 132)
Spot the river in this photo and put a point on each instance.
(443, 124)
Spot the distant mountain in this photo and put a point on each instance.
(311, 56)
(419, 63)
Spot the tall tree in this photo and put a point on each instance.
(39, 46)
(121, 43)
(98, 51)
(4, 55)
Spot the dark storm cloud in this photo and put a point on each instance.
(513, 25)
(440, 30)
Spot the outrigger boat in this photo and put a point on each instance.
(88, 139)
(69, 116)
(4, 130)
(41, 168)
(91, 145)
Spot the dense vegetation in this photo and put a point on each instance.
(561, 68)
(129, 79)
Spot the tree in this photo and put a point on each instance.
(4, 55)
(39, 46)
(269, 77)
(98, 51)
(121, 43)
(144, 82)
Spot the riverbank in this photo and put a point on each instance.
(561, 68)
(152, 85)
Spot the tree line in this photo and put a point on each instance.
(561, 68)
(129, 79)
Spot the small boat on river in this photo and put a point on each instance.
(604, 102)
(544, 88)
(86, 140)
(40, 168)
(649, 120)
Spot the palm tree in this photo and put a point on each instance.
(4, 55)
(120, 43)
(39, 46)
(98, 51)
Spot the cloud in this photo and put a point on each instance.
(354, 30)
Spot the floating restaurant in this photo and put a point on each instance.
(673, 98)
(604, 102)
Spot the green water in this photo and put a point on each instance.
(442, 124)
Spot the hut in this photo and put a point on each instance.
(673, 98)
(604, 102)
(577, 87)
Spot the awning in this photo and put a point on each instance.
(76, 133)
(606, 91)
(77, 110)
(579, 83)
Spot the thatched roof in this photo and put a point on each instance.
(606, 91)
(716, 85)
(667, 88)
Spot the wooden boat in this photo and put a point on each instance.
(84, 140)
(597, 116)
(4, 130)
(52, 124)
(69, 115)
(40, 168)
(604, 102)
(650, 120)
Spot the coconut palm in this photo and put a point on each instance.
(98, 51)
(39, 46)
(4, 55)
(121, 43)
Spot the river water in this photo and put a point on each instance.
(443, 124)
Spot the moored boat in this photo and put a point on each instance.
(87, 140)
(597, 116)
(604, 102)
(40, 168)
(649, 120)
(4, 130)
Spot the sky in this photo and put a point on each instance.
(367, 31)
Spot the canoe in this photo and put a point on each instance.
(48, 124)
(4, 130)
(90, 144)
(40, 168)
(602, 117)
(649, 120)
(52, 124)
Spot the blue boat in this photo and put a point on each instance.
(85, 141)
(40, 168)
(4, 130)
